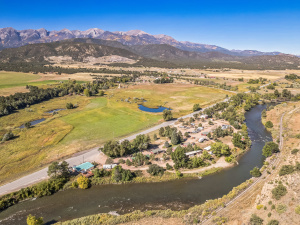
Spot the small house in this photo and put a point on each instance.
(109, 166)
(193, 153)
(225, 127)
(84, 167)
(203, 116)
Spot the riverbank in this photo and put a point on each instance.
(260, 200)
(177, 194)
(192, 215)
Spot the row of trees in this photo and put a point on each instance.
(214, 84)
(284, 95)
(257, 81)
(115, 149)
(36, 95)
(163, 80)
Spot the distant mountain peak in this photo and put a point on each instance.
(9, 37)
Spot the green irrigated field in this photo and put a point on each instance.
(104, 119)
(13, 79)
(12, 82)
(96, 120)
(180, 97)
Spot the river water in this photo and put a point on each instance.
(176, 195)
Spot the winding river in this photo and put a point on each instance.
(176, 195)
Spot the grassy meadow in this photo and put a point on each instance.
(179, 97)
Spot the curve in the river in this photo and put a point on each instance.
(176, 195)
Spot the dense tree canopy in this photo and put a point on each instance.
(270, 148)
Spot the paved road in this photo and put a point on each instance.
(76, 159)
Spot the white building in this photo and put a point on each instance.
(109, 166)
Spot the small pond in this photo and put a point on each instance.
(153, 110)
(55, 110)
(35, 122)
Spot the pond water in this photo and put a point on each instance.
(55, 110)
(177, 195)
(35, 122)
(153, 110)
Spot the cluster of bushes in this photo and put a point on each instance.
(118, 174)
(257, 81)
(172, 134)
(270, 148)
(271, 87)
(292, 77)
(163, 80)
(269, 124)
(8, 136)
(285, 95)
(219, 132)
(115, 149)
(138, 159)
(167, 115)
(279, 191)
(42, 189)
(196, 107)
(155, 170)
(255, 172)
(223, 86)
(241, 140)
(220, 149)
(182, 161)
(288, 169)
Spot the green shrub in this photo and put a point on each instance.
(273, 222)
(297, 167)
(168, 166)
(255, 220)
(297, 209)
(279, 191)
(178, 174)
(155, 170)
(270, 148)
(121, 161)
(281, 208)
(286, 169)
(255, 172)
(269, 124)
(269, 214)
(69, 105)
(294, 151)
(9, 135)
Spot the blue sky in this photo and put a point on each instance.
(261, 25)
